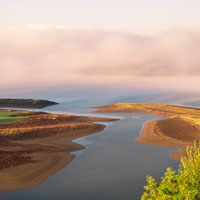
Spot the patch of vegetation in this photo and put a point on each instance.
(39, 124)
(164, 109)
(6, 116)
(181, 185)
(25, 103)
(189, 114)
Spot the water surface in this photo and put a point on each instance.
(113, 165)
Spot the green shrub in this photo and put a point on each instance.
(181, 185)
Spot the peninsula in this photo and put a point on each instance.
(25, 103)
(35, 145)
(180, 127)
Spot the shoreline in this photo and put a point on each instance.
(43, 156)
(182, 137)
(180, 129)
(149, 137)
(50, 161)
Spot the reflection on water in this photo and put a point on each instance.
(113, 166)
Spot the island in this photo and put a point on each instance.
(179, 128)
(36, 145)
(25, 103)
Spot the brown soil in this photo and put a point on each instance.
(35, 148)
(179, 129)
(172, 132)
(10, 158)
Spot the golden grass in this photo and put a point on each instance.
(189, 114)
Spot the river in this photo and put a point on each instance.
(111, 167)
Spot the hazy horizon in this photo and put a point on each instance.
(125, 44)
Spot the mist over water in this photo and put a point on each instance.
(94, 96)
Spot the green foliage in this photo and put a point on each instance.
(181, 185)
(5, 117)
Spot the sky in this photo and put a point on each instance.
(139, 16)
(129, 43)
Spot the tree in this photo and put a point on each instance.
(181, 185)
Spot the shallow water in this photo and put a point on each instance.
(113, 165)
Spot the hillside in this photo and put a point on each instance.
(25, 103)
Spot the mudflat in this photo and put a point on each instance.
(180, 128)
(35, 145)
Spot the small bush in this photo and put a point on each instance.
(181, 185)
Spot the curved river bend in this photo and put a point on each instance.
(113, 165)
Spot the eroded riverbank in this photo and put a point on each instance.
(38, 145)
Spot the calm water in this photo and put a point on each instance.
(113, 165)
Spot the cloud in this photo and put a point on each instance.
(39, 27)
(169, 54)
(36, 55)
